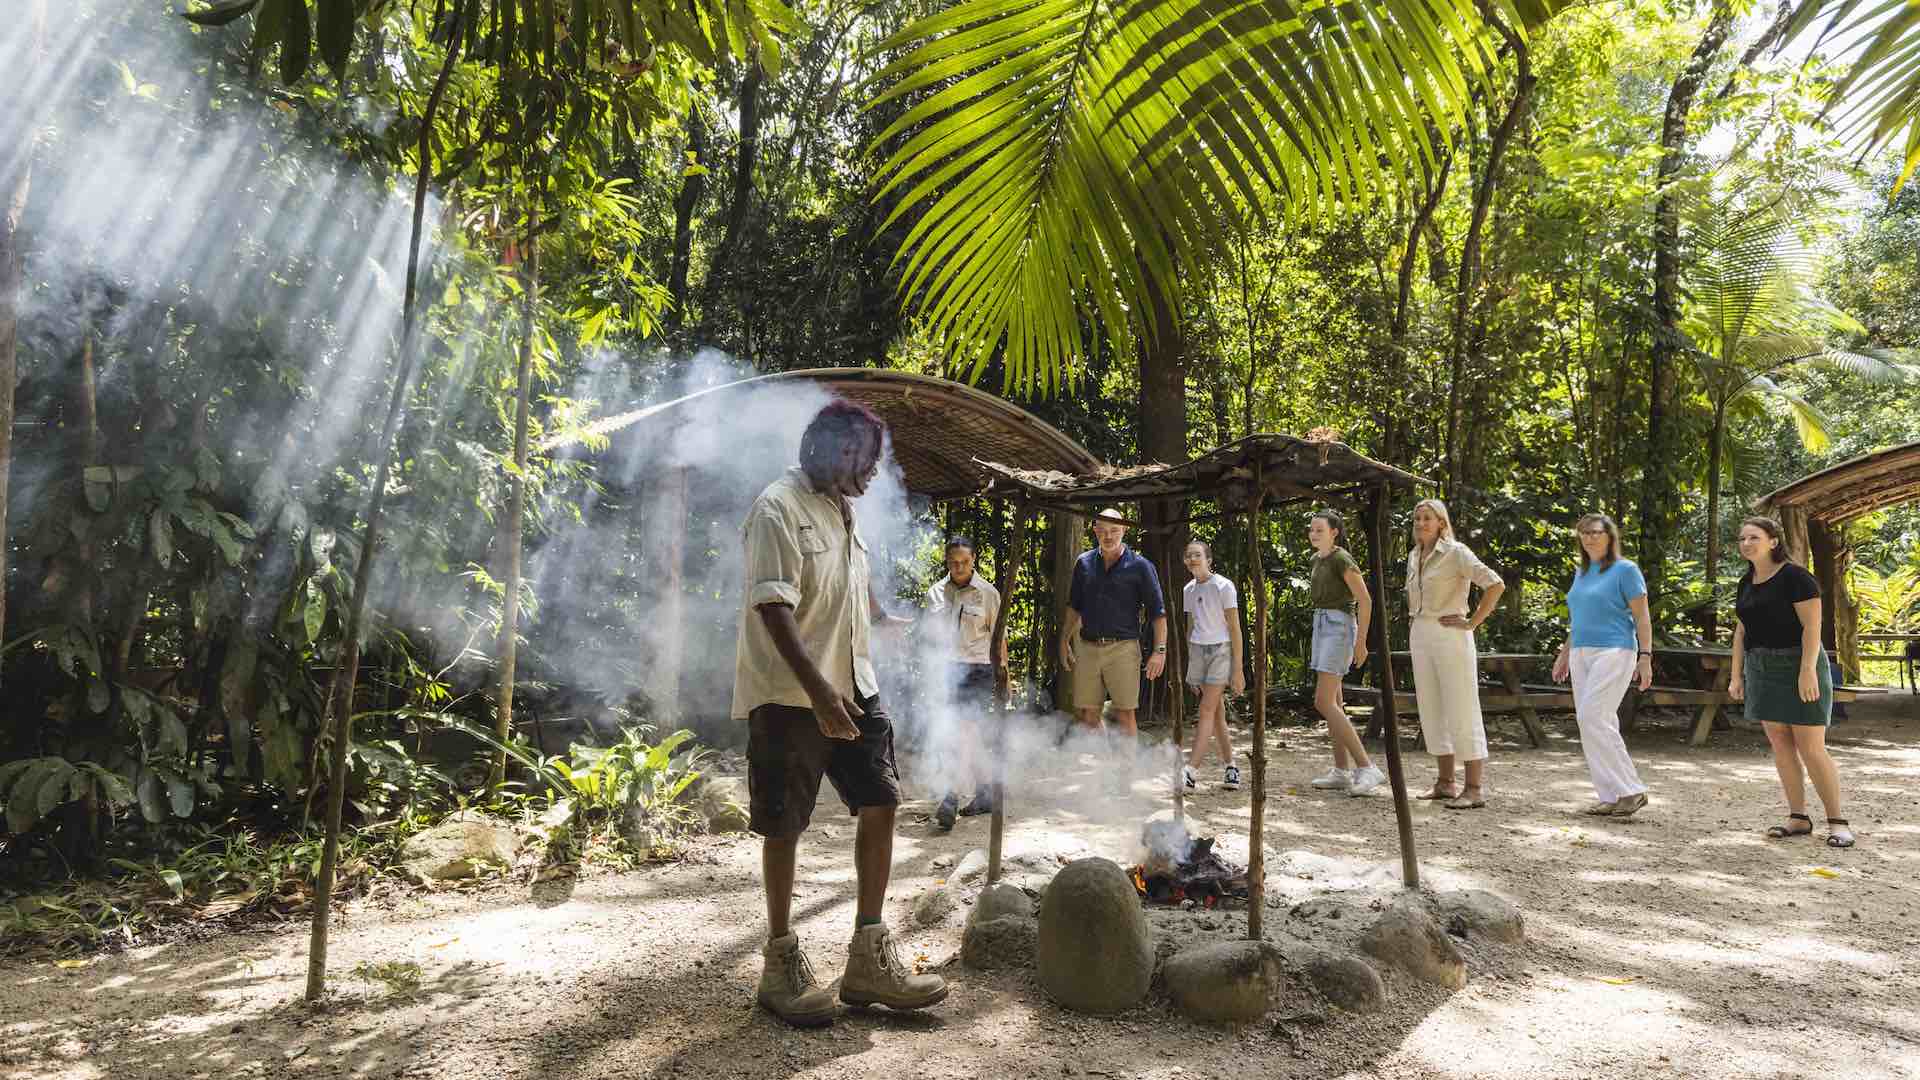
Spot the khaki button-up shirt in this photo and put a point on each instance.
(965, 615)
(803, 552)
(1439, 586)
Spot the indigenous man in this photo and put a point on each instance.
(961, 610)
(804, 683)
(1100, 644)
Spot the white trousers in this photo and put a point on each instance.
(1446, 690)
(1600, 680)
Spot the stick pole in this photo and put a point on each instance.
(1177, 698)
(1257, 816)
(1387, 713)
(1003, 692)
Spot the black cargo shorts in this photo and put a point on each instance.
(787, 755)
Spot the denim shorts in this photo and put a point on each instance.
(1209, 665)
(1333, 637)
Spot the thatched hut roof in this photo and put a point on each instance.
(1291, 469)
(1854, 487)
(941, 429)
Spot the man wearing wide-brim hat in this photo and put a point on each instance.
(1100, 644)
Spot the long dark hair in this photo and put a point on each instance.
(1775, 532)
(1613, 541)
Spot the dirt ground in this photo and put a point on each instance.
(1679, 943)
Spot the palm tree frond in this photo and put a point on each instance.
(1064, 161)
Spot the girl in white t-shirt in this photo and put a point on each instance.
(1214, 663)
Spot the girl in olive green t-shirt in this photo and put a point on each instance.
(1339, 645)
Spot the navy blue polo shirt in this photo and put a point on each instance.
(1109, 599)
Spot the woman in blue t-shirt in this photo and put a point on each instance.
(1611, 643)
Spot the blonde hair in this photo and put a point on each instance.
(1439, 510)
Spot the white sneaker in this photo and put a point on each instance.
(1232, 780)
(1365, 780)
(1187, 777)
(1335, 780)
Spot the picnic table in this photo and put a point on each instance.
(1708, 671)
(1508, 693)
(1711, 671)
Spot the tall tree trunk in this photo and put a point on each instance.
(15, 182)
(1394, 355)
(340, 690)
(1163, 433)
(1469, 274)
(1659, 476)
(1716, 443)
(692, 187)
(746, 157)
(513, 525)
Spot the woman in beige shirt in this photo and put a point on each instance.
(1441, 572)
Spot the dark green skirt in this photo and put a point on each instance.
(1772, 679)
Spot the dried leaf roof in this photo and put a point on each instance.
(941, 429)
(1290, 468)
(1854, 487)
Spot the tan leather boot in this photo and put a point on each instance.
(876, 976)
(788, 988)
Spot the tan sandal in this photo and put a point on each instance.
(1600, 809)
(1630, 805)
(1439, 793)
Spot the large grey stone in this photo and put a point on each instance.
(1005, 942)
(1095, 952)
(1407, 936)
(724, 802)
(1343, 979)
(458, 848)
(1001, 900)
(1230, 982)
(932, 907)
(1476, 911)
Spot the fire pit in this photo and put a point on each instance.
(1179, 867)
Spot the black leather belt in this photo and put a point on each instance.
(1084, 636)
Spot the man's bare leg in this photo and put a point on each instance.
(777, 857)
(872, 860)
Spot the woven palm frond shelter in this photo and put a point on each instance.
(1290, 469)
(941, 428)
(1814, 510)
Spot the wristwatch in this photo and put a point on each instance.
(1159, 648)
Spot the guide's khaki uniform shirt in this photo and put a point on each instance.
(1439, 585)
(966, 614)
(803, 553)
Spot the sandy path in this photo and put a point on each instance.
(1679, 944)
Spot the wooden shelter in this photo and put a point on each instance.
(1249, 477)
(955, 442)
(940, 428)
(1815, 509)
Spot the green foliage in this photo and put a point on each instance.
(1889, 603)
(1070, 161)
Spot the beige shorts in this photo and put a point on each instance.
(1106, 670)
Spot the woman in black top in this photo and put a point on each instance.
(1780, 671)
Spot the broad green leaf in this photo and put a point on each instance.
(220, 12)
(160, 536)
(296, 42)
(314, 615)
(152, 796)
(334, 26)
